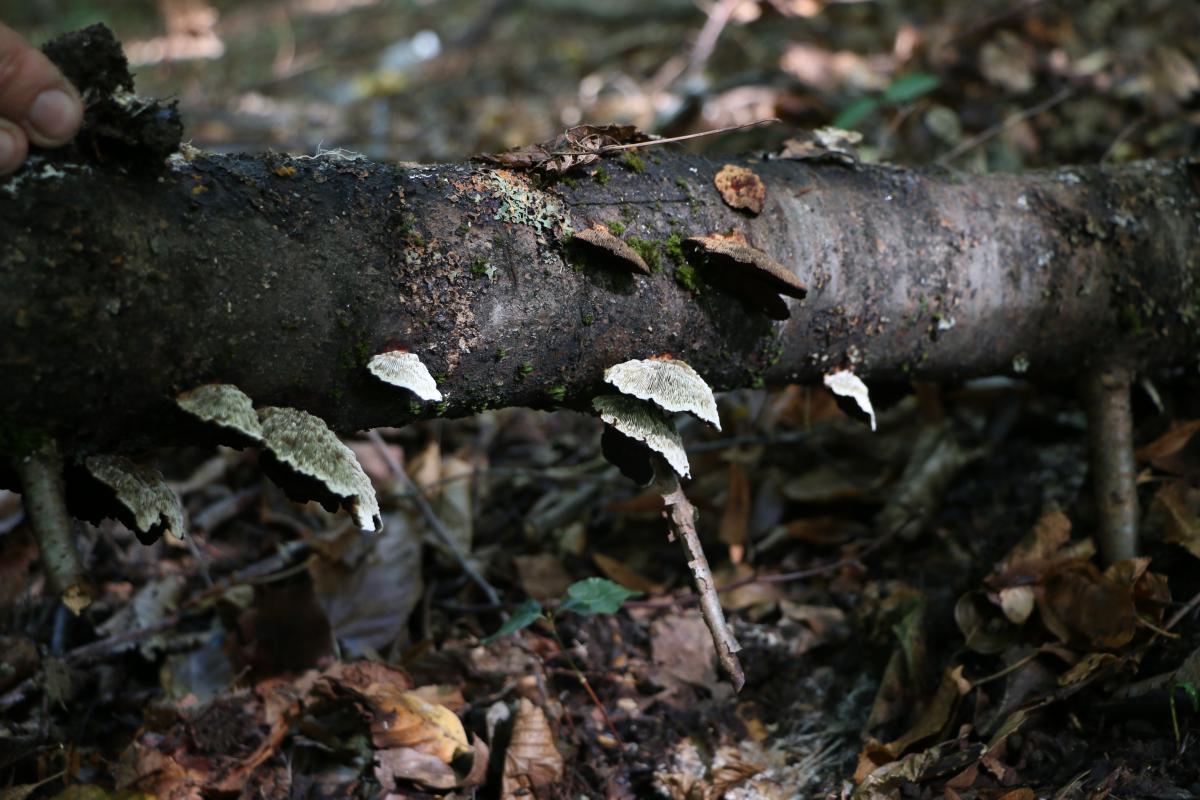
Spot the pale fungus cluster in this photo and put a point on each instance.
(650, 390)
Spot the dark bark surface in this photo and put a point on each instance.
(120, 287)
(284, 275)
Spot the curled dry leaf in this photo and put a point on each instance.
(227, 407)
(316, 465)
(405, 370)
(741, 188)
(532, 764)
(643, 422)
(667, 382)
(144, 502)
(406, 719)
(601, 238)
(824, 144)
(575, 147)
(845, 383)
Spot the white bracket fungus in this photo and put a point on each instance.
(669, 383)
(640, 420)
(223, 405)
(326, 469)
(845, 383)
(149, 504)
(406, 371)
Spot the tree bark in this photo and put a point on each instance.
(120, 286)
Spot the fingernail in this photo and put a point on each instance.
(55, 115)
(8, 152)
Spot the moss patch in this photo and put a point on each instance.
(685, 276)
(648, 250)
(632, 161)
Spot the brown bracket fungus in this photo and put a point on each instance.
(643, 422)
(748, 272)
(310, 463)
(405, 370)
(227, 407)
(600, 238)
(741, 188)
(845, 383)
(667, 382)
(140, 497)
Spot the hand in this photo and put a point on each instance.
(37, 104)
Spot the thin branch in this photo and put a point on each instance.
(1012, 121)
(431, 517)
(681, 521)
(1114, 473)
(40, 474)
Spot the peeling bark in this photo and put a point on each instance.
(121, 287)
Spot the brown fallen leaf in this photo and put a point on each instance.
(532, 763)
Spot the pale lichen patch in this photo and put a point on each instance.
(645, 423)
(406, 371)
(328, 470)
(522, 204)
(667, 382)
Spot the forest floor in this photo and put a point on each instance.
(921, 608)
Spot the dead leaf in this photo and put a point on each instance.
(1173, 451)
(575, 147)
(408, 764)
(532, 763)
(617, 571)
(542, 576)
(741, 188)
(406, 719)
(682, 651)
(1081, 606)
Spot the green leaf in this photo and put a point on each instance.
(526, 614)
(855, 113)
(595, 596)
(910, 87)
(1190, 690)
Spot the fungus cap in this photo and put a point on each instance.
(758, 263)
(741, 188)
(150, 505)
(406, 371)
(223, 405)
(669, 383)
(603, 239)
(642, 421)
(306, 446)
(845, 383)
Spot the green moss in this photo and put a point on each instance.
(414, 408)
(523, 370)
(632, 161)
(682, 184)
(615, 227)
(336, 393)
(601, 176)
(570, 183)
(481, 267)
(442, 407)
(685, 276)
(501, 353)
(557, 393)
(588, 318)
(648, 250)
(757, 382)
(674, 248)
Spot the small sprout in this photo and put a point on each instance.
(615, 227)
(667, 382)
(227, 407)
(600, 238)
(557, 393)
(643, 422)
(310, 463)
(845, 383)
(741, 188)
(144, 502)
(588, 318)
(406, 371)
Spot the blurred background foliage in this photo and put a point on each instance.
(991, 85)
